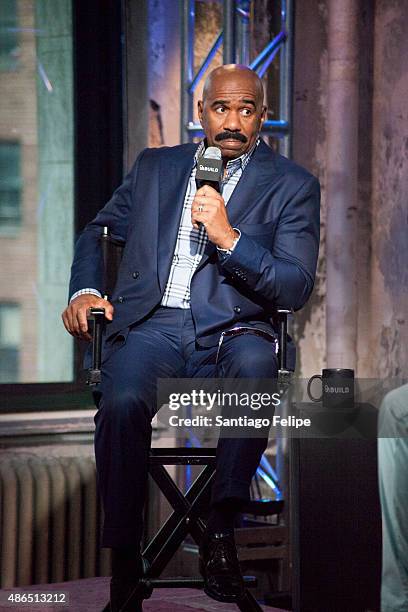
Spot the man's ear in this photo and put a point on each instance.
(200, 110)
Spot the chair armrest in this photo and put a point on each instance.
(97, 315)
(284, 375)
(282, 318)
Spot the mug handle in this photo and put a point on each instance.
(309, 384)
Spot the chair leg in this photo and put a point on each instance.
(173, 532)
(184, 519)
(249, 603)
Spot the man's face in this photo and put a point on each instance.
(232, 113)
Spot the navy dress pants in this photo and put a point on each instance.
(163, 346)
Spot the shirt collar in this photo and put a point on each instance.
(232, 164)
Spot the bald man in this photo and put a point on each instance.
(197, 263)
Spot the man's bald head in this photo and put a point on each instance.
(229, 71)
(232, 111)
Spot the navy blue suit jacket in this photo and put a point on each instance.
(276, 207)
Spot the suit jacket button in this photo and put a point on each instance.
(135, 274)
(120, 298)
(237, 309)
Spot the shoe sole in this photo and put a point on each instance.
(223, 599)
(216, 596)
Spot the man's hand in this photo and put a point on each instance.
(209, 209)
(74, 316)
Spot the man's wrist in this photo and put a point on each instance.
(228, 246)
(228, 241)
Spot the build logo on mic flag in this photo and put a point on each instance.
(209, 169)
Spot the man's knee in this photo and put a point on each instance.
(125, 405)
(250, 357)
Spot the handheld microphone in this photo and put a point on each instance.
(209, 169)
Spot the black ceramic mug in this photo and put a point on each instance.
(337, 389)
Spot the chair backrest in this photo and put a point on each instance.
(112, 251)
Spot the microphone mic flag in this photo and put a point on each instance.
(209, 169)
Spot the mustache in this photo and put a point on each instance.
(231, 136)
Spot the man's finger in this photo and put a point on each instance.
(70, 320)
(107, 306)
(74, 320)
(207, 190)
(208, 202)
(82, 320)
(200, 210)
(65, 321)
(82, 325)
(109, 311)
(204, 207)
(199, 217)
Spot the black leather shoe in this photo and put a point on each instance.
(220, 568)
(125, 596)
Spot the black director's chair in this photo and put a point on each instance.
(189, 509)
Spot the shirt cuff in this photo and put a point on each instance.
(88, 291)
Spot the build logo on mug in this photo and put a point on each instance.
(337, 389)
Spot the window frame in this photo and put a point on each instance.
(98, 68)
(15, 227)
(11, 64)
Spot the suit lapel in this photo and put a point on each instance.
(174, 177)
(259, 175)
